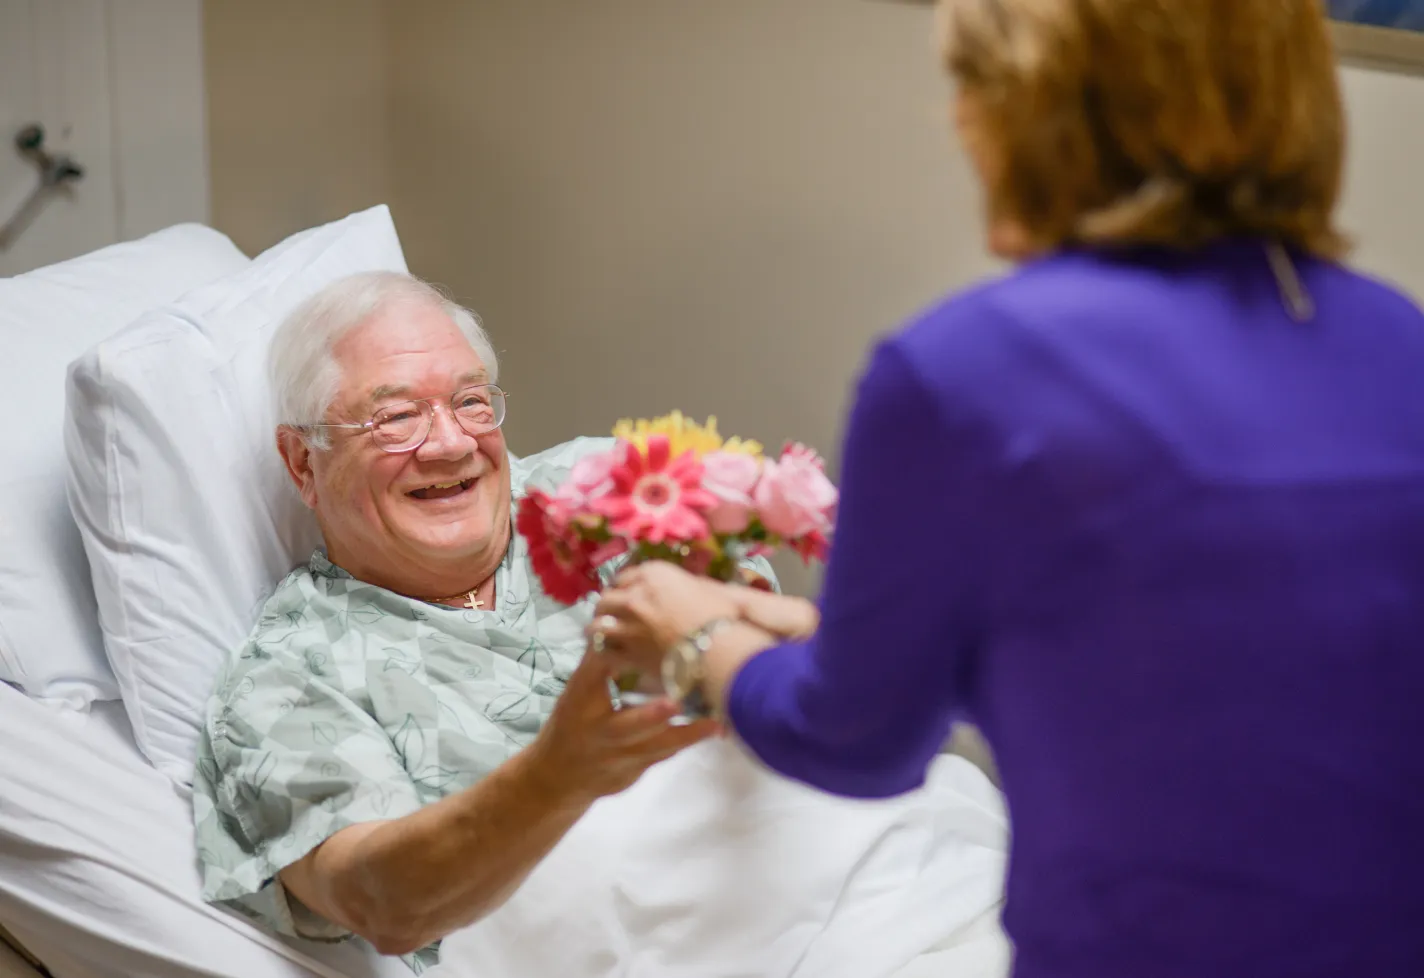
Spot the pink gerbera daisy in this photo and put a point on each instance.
(656, 498)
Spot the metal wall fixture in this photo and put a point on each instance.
(58, 174)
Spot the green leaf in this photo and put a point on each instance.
(434, 777)
(410, 742)
(264, 770)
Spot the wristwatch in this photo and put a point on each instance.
(684, 669)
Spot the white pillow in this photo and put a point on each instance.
(187, 514)
(49, 637)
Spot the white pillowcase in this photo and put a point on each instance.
(49, 636)
(187, 514)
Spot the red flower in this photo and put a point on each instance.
(561, 558)
(812, 546)
(656, 498)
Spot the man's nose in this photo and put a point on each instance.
(447, 440)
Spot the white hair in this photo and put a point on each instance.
(301, 364)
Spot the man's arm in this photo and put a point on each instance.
(404, 883)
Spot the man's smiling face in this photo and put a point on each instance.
(436, 508)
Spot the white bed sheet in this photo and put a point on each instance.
(98, 877)
(97, 873)
(711, 866)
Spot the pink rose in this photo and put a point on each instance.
(794, 497)
(591, 477)
(731, 477)
(593, 474)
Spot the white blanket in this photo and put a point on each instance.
(712, 866)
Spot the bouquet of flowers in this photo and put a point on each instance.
(671, 489)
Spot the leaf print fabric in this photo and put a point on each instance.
(349, 703)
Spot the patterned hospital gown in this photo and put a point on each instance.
(350, 703)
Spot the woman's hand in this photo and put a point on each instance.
(653, 605)
(781, 615)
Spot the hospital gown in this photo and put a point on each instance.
(350, 703)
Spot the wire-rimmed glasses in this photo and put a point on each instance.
(404, 426)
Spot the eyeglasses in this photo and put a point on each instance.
(403, 427)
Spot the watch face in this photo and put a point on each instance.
(679, 670)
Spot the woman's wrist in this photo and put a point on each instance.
(730, 650)
(782, 616)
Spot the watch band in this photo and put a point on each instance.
(693, 647)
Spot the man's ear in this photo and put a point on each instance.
(297, 455)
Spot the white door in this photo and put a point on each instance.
(54, 70)
(118, 86)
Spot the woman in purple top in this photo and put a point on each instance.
(1149, 510)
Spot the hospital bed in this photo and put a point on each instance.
(99, 874)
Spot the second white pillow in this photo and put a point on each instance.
(187, 515)
(49, 633)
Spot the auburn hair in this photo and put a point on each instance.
(1171, 122)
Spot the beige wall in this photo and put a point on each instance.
(1383, 206)
(717, 205)
(298, 129)
(711, 206)
(714, 205)
(635, 191)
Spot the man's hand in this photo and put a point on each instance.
(404, 883)
(587, 749)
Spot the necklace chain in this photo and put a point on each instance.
(468, 599)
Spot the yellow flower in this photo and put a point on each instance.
(683, 434)
(742, 446)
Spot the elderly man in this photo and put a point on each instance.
(411, 725)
